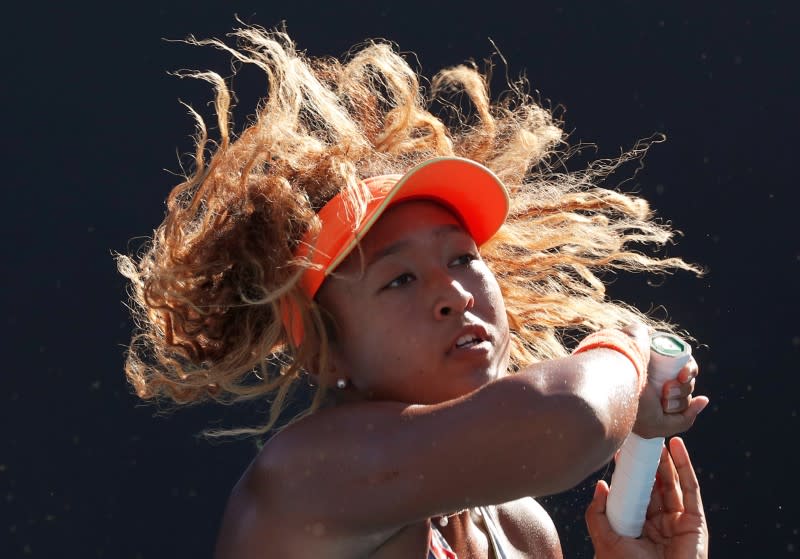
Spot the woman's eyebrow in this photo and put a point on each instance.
(404, 244)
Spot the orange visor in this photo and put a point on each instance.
(471, 191)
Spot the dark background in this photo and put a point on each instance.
(91, 122)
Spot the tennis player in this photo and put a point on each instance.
(422, 259)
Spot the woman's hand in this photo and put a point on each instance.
(672, 410)
(676, 524)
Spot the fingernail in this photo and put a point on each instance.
(673, 405)
(674, 391)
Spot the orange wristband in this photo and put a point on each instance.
(622, 343)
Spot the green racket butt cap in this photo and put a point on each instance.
(667, 344)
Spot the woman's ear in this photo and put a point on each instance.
(331, 378)
(334, 373)
(337, 372)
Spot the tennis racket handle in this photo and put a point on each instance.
(632, 483)
(635, 470)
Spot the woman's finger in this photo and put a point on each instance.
(670, 486)
(596, 520)
(681, 421)
(690, 488)
(677, 389)
(676, 396)
(689, 371)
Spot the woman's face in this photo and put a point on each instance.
(419, 317)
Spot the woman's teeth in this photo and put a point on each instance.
(468, 339)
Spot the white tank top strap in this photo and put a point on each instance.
(493, 531)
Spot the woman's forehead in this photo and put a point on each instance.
(406, 222)
(411, 225)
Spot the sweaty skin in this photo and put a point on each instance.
(430, 422)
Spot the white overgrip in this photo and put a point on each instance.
(636, 465)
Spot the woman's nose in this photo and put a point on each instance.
(453, 298)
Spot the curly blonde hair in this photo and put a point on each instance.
(207, 288)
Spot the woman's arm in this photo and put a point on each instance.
(373, 467)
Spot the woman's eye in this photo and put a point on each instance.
(464, 259)
(399, 281)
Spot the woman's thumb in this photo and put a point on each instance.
(596, 519)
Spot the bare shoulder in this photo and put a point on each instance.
(254, 523)
(528, 527)
(275, 509)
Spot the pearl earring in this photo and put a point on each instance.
(341, 384)
(443, 521)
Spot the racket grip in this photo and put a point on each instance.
(635, 470)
